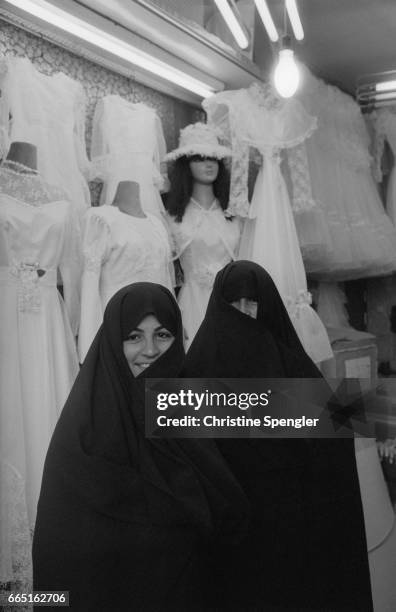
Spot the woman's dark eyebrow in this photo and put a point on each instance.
(137, 329)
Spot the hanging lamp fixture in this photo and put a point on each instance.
(286, 75)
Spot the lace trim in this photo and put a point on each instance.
(29, 188)
(302, 193)
(29, 294)
(265, 96)
(17, 167)
(236, 131)
(288, 144)
(294, 306)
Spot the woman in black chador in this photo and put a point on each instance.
(305, 549)
(124, 521)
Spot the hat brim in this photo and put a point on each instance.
(218, 152)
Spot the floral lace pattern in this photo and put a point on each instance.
(303, 299)
(264, 95)
(29, 295)
(29, 188)
(255, 118)
(299, 171)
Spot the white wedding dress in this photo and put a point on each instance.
(256, 118)
(118, 250)
(362, 240)
(38, 237)
(204, 241)
(128, 144)
(48, 112)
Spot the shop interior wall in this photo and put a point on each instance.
(97, 82)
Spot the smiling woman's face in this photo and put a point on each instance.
(144, 344)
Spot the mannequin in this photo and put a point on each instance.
(39, 238)
(23, 153)
(127, 199)
(128, 143)
(205, 239)
(122, 245)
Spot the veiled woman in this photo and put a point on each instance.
(305, 548)
(124, 521)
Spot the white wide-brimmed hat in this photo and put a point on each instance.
(199, 139)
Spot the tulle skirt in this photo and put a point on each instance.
(362, 237)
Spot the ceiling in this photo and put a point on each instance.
(345, 39)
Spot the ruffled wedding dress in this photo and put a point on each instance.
(362, 241)
(38, 237)
(256, 118)
(118, 250)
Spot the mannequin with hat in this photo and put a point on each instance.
(205, 238)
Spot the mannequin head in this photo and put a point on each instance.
(126, 190)
(127, 198)
(188, 170)
(23, 153)
(204, 169)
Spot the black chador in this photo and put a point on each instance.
(305, 549)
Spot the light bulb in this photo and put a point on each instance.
(286, 75)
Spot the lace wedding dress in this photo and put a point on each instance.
(256, 118)
(204, 241)
(118, 249)
(128, 144)
(363, 242)
(49, 112)
(38, 237)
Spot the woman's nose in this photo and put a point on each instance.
(151, 347)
